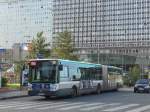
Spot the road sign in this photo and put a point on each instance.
(24, 79)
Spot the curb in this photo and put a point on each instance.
(126, 89)
(12, 97)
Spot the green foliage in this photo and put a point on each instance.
(4, 81)
(19, 66)
(63, 46)
(134, 74)
(39, 46)
(17, 69)
(13, 86)
(126, 80)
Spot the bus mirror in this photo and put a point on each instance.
(60, 67)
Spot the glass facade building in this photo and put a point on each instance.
(109, 26)
(20, 20)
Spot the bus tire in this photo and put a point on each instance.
(98, 89)
(74, 91)
(47, 97)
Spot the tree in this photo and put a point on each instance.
(38, 46)
(63, 46)
(134, 74)
(18, 69)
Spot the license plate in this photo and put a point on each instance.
(141, 89)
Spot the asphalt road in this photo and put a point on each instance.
(122, 101)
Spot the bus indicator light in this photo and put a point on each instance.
(33, 63)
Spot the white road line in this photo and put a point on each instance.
(121, 107)
(140, 109)
(23, 105)
(78, 106)
(40, 105)
(9, 103)
(98, 107)
(57, 106)
(16, 103)
(12, 106)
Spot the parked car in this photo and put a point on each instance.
(142, 85)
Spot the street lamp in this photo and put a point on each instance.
(0, 77)
(98, 54)
(98, 50)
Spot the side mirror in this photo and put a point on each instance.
(60, 67)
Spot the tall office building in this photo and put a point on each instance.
(20, 20)
(119, 27)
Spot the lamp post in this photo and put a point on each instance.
(98, 54)
(0, 77)
(98, 51)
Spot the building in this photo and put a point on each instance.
(20, 20)
(115, 31)
(19, 52)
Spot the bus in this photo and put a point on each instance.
(58, 77)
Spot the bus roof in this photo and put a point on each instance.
(42, 59)
(82, 62)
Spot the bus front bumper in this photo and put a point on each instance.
(43, 93)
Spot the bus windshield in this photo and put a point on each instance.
(42, 71)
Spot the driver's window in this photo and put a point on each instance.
(64, 74)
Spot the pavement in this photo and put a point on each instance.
(121, 101)
(7, 94)
(126, 89)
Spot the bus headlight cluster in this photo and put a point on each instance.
(29, 87)
(54, 87)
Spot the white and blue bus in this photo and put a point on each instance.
(58, 77)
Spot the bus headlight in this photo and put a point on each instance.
(54, 87)
(29, 87)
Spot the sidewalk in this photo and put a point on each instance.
(126, 89)
(5, 94)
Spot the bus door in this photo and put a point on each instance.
(105, 77)
(112, 80)
(86, 80)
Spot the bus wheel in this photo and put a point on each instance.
(98, 90)
(47, 97)
(74, 92)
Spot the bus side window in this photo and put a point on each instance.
(64, 74)
(74, 74)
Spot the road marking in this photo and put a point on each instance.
(25, 105)
(98, 107)
(78, 106)
(9, 103)
(16, 105)
(140, 109)
(57, 106)
(121, 107)
(40, 105)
